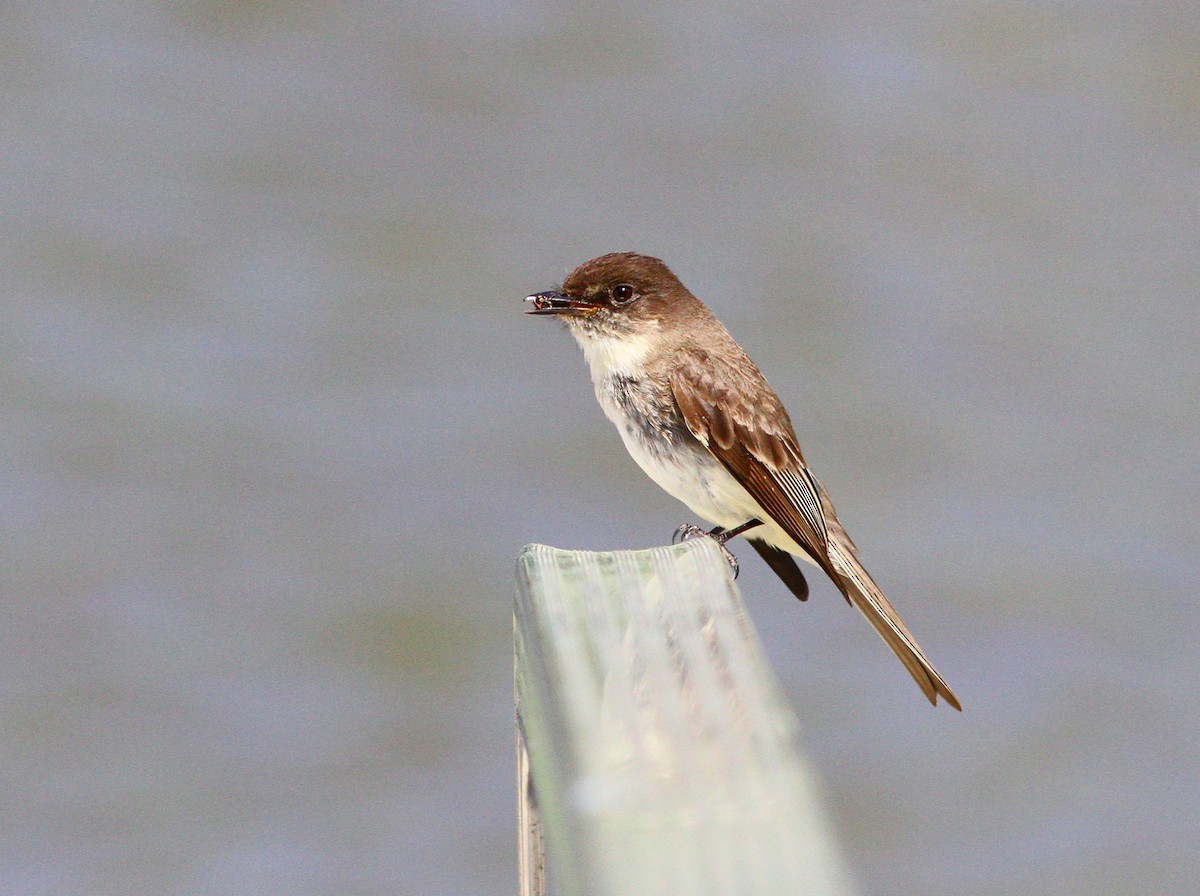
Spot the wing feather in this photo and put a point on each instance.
(757, 445)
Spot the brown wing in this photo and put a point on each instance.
(756, 443)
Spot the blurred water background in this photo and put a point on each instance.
(275, 427)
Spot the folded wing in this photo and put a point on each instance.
(757, 445)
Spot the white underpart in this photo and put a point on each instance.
(612, 356)
(699, 480)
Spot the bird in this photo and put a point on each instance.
(698, 416)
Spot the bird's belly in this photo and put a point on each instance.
(692, 475)
(699, 481)
(661, 444)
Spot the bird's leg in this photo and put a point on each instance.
(719, 534)
(723, 535)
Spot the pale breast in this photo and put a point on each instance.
(657, 438)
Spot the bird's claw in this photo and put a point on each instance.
(687, 532)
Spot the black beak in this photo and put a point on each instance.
(554, 302)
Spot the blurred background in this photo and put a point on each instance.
(275, 427)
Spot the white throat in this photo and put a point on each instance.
(623, 355)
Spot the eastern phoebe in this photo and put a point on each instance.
(698, 416)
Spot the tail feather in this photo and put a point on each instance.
(860, 589)
(783, 565)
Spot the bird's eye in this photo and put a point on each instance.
(622, 293)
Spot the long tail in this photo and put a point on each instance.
(861, 590)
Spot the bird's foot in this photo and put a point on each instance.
(687, 532)
(720, 535)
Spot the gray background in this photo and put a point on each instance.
(275, 427)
